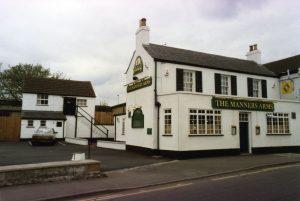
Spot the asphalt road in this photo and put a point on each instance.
(272, 184)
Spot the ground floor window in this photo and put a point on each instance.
(43, 123)
(168, 121)
(278, 123)
(123, 126)
(30, 123)
(59, 124)
(205, 122)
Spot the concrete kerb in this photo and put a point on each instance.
(116, 190)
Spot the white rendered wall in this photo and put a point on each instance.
(27, 132)
(167, 84)
(118, 123)
(29, 102)
(143, 98)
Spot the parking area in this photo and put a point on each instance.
(16, 153)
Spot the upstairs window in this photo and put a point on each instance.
(257, 88)
(81, 102)
(225, 84)
(42, 99)
(30, 123)
(187, 80)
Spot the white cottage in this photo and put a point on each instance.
(53, 103)
(182, 103)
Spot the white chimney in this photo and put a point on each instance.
(254, 54)
(142, 34)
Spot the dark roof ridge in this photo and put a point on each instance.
(209, 54)
(206, 60)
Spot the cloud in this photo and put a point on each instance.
(94, 40)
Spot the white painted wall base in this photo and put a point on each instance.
(111, 145)
(78, 141)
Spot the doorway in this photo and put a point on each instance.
(244, 132)
(69, 106)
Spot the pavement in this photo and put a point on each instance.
(147, 175)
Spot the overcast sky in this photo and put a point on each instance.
(94, 39)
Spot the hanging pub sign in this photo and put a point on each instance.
(141, 83)
(287, 87)
(242, 104)
(138, 65)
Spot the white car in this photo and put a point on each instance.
(44, 135)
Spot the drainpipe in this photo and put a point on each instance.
(157, 104)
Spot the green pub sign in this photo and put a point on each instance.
(137, 119)
(242, 104)
(138, 65)
(141, 83)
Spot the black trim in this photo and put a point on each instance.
(166, 135)
(179, 79)
(206, 135)
(184, 154)
(264, 92)
(233, 85)
(217, 83)
(280, 134)
(250, 86)
(283, 149)
(199, 81)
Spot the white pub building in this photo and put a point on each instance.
(184, 103)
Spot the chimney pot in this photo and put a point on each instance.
(255, 47)
(251, 48)
(142, 22)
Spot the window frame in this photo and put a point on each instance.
(42, 122)
(190, 82)
(42, 99)
(228, 87)
(82, 102)
(31, 124)
(281, 122)
(168, 121)
(123, 126)
(205, 122)
(256, 88)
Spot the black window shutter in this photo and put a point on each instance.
(264, 89)
(250, 87)
(233, 85)
(179, 79)
(198, 81)
(217, 83)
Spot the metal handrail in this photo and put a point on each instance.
(91, 121)
(98, 123)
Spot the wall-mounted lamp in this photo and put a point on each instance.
(135, 78)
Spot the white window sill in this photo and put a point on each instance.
(279, 134)
(29, 126)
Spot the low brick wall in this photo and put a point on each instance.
(48, 172)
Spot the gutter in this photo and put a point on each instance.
(157, 104)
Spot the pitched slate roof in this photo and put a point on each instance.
(199, 59)
(58, 87)
(44, 115)
(280, 67)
